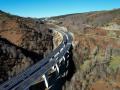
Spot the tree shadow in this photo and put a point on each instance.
(57, 81)
(66, 73)
(32, 55)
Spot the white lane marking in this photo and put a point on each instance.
(61, 49)
(56, 54)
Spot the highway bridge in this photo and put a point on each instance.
(25, 79)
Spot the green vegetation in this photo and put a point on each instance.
(112, 34)
(100, 56)
(115, 62)
(115, 12)
(85, 66)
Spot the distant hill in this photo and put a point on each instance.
(96, 49)
(96, 19)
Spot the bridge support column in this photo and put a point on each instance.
(67, 51)
(68, 54)
(54, 68)
(57, 68)
(45, 77)
(63, 58)
(67, 63)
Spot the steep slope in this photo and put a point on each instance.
(96, 52)
(23, 42)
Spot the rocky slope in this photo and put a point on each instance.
(23, 42)
(96, 51)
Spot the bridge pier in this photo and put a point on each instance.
(57, 68)
(64, 58)
(68, 56)
(45, 77)
(53, 68)
(67, 63)
(67, 51)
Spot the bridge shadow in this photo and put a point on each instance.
(18, 54)
(66, 73)
(38, 86)
(57, 81)
(71, 68)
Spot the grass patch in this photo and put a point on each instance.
(85, 66)
(115, 62)
(112, 34)
(100, 56)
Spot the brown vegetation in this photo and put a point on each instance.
(23, 42)
(96, 51)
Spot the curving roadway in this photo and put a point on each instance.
(26, 78)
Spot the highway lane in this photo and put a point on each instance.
(19, 78)
(46, 68)
(28, 82)
(27, 77)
